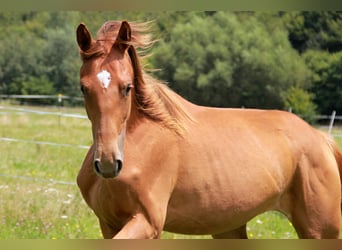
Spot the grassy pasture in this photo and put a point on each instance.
(38, 194)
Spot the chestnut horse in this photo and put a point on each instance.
(159, 162)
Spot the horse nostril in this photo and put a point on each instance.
(111, 170)
(97, 166)
(118, 166)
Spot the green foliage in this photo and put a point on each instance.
(59, 57)
(315, 30)
(39, 48)
(300, 102)
(18, 60)
(326, 79)
(226, 60)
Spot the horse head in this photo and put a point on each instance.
(106, 81)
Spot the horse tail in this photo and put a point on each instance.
(338, 156)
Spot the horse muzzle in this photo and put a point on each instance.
(107, 170)
(108, 155)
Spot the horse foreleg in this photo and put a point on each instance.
(138, 227)
(239, 233)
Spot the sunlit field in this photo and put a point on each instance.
(39, 198)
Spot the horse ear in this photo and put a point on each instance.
(124, 35)
(84, 38)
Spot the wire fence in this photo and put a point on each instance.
(9, 110)
(43, 143)
(59, 97)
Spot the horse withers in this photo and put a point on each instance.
(159, 162)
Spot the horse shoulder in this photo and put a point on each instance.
(86, 178)
(151, 163)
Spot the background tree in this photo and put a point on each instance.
(318, 37)
(319, 30)
(300, 102)
(326, 79)
(229, 60)
(20, 59)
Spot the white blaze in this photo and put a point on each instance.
(104, 77)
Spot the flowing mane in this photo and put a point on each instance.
(152, 98)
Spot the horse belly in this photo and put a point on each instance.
(216, 215)
(216, 205)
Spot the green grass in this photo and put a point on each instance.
(34, 205)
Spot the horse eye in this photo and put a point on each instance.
(83, 89)
(128, 88)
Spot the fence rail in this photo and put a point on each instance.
(43, 143)
(59, 97)
(39, 112)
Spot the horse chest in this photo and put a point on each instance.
(116, 200)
